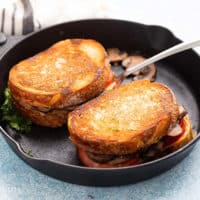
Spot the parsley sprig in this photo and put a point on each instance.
(10, 115)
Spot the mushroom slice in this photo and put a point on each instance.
(100, 157)
(175, 131)
(130, 61)
(115, 55)
(147, 73)
(182, 113)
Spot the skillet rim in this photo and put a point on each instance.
(142, 165)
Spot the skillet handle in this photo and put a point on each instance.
(14, 144)
(8, 137)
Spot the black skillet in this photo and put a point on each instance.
(50, 151)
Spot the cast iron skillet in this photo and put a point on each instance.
(50, 151)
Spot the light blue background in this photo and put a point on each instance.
(19, 181)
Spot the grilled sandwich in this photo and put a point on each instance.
(46, 86)
(124, 126)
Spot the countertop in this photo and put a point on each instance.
(20, 181)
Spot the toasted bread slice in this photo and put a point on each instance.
(124, 120)
(68, 73)
(53, 119)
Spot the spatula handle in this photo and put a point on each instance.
(168, 52)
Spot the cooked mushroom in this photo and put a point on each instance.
(147, 73)
(182, 113)
(100, 158)
(150, 153)
(175, 130)
(115, 55)
(131, 61)
(150, 73)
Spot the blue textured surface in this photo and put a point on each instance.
(20, 181)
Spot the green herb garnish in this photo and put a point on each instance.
(10, 115)
(114, 129)
(30, 153)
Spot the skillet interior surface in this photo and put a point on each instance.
(43, 145)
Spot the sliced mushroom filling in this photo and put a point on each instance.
(176, 129)
(147, 73)
(111, 159)
(116, 57)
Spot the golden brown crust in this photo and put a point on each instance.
(61, 100)
(53, 119)
(175, 143)
(68, 73)
(124, 120)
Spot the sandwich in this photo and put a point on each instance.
(45, 87)
(129, 125)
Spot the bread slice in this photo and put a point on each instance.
(124, 120)
(46, 86)
(54, 118)
(68, 73)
